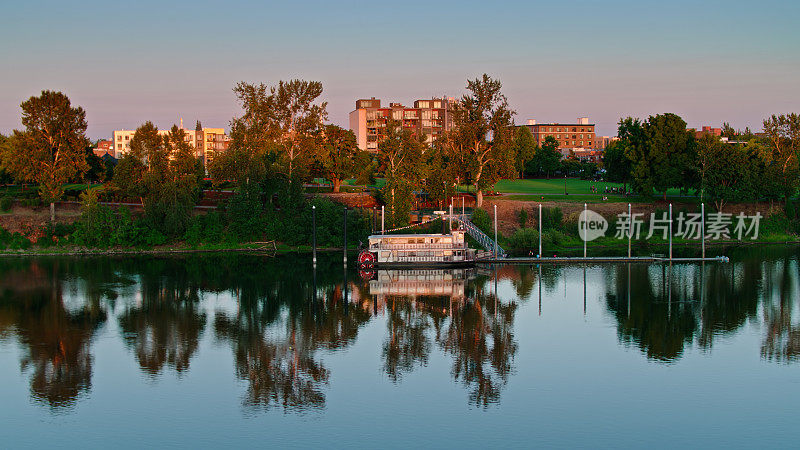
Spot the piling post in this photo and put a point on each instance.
(345, 236)
(670, 232)
(585, 215)
(462, 206)
(630, 230)
(495, 231)
(703, 228)
(314, 235)
(540, 231)
(383, 222)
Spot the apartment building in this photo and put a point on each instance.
(206, 142)
(580, 134)
(428, 117)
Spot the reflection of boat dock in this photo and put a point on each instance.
(421, 282)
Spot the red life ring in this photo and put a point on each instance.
(366, 258)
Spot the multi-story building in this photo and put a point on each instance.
(104, 148)
(569, 135)
(601, 142)
(206, 142)
(430, 118)
(705, 130)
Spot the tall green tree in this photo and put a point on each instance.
(400, 155)
(728, 173)
(616, 162)
(546, 159)
(289, 114)
(662, 153)
(524, 148)
(336, 154)
(783, 134)
(163, 172)
(483, 134)
(51, 150)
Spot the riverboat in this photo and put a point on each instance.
(433, 250)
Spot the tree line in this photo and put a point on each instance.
(659, 153)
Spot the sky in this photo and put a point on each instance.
(129, 62)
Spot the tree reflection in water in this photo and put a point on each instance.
(277, 334)
(480, 338)
(662, 309)
(286, 319)
(56, 341)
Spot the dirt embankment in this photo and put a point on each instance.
(29, 221)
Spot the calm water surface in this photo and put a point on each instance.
(238, 350)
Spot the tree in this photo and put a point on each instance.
(727, 172)
(198, 126)
(400, 155)
(162, 172)
(287, 114)
(336, 153)
(51, 150)
(661, 151)
(546, 159)
(616, 162)
(783, 134)
(97, 167)
(524, 148)
(483, 134)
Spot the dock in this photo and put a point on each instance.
(599, 260)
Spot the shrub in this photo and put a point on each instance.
(482, 220)
(524, 240)
(551, 218)
(6, 203)
(522, 217)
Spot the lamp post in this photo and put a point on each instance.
(495, 231)
(345, 236)
(540, 230)
(314, 235)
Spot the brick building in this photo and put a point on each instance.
(569, 135)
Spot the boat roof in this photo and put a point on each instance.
(379, 236)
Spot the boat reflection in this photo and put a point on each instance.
(416, 283)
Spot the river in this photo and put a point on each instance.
(245, 350)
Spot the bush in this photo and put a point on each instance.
(6, 203)
(482, 220)
(524, 240)
(551, 218)
(55, 234)
(13, 241)
(522, 217)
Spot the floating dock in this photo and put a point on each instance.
(598, 260)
